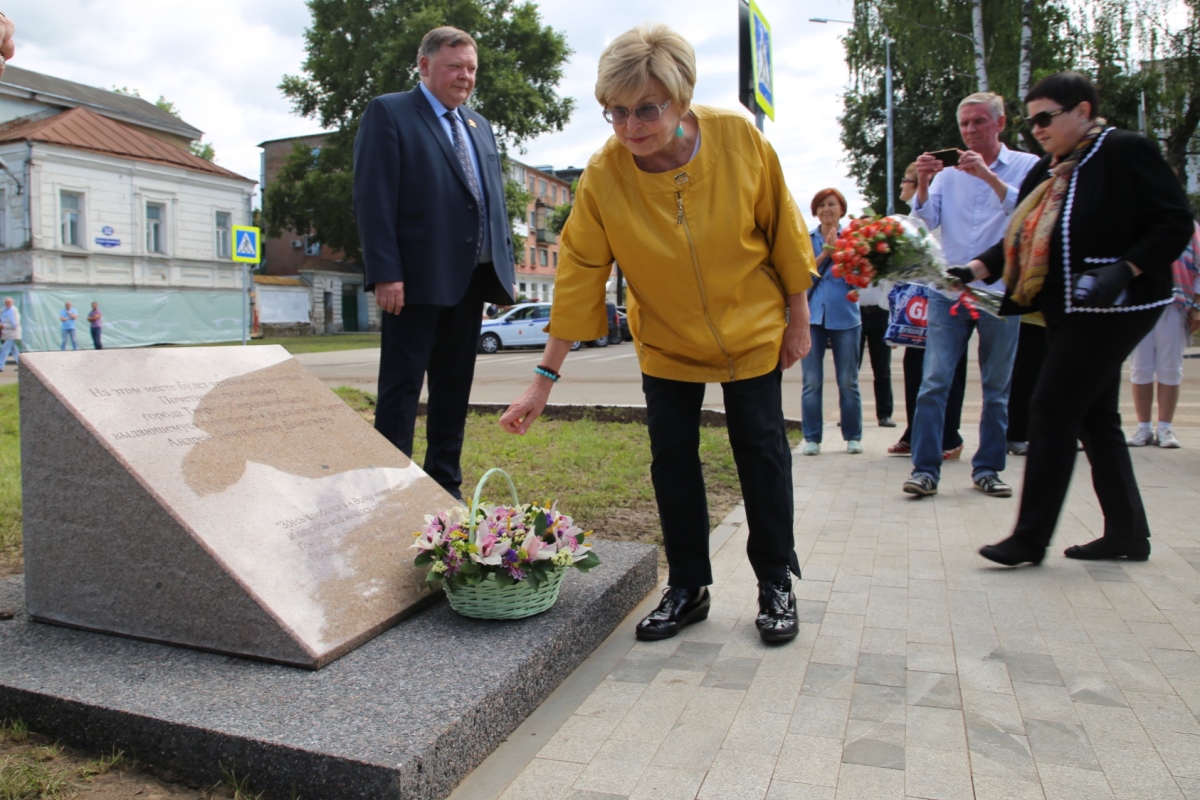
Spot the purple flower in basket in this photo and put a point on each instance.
(510, 560)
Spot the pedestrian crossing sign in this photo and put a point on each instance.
(247, 244)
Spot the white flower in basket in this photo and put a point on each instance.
(502, 562)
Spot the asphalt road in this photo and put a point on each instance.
(610, 376)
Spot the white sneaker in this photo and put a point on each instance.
(811, 448)
(1167, 438)
(1142, 438)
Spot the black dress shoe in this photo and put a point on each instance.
(680, 606)
(776, 621)
(1013, 551)
(1104, 549)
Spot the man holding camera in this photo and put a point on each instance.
(969, 195)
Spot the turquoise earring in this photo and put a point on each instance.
(679, 130)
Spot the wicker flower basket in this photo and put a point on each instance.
(488, 599)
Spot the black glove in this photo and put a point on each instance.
(1106, 284)
(964, 274)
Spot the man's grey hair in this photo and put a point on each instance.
(444, 36)
(993, 101)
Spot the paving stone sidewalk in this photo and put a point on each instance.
(920, 671)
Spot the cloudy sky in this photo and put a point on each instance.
(221, 62)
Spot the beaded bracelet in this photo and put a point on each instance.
(546, 372)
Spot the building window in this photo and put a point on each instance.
(521, 288)
(533, 220)
(531, 184)
(532, 256)
(72, 218)
(224, 226)
(554, 193)
(556, 259)
(156, 217)
(545, 259)
(312, 246)
(541, 188)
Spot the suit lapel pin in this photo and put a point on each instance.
(471, 122)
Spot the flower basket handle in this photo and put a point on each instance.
(474, 519)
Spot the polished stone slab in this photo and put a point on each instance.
(406, 715)
(220, 498)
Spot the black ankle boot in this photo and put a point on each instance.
(1106, 549)
(680, 606)
(1013, 551)
(776, 621)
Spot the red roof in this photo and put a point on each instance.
(81, 129)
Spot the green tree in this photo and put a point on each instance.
(935, 63)
(197, 148)
(516, 202)
(557, 219)
(358, 49)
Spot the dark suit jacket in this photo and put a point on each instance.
(1123, 203)
(417, 219)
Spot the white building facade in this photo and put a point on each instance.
(96, 209)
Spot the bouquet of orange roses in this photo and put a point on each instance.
(900, 249)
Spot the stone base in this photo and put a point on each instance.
(406, 715)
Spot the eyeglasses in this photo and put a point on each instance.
(907, 180)
(647, 113)
(1042, 119)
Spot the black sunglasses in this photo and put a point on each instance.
(647, 113)
(1042, 119)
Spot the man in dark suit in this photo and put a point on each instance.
(436, 242)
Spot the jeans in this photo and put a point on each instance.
(754, 418)
(9, 346)
(947, 341)
(69, 335)
(96, 338)
(844, 345)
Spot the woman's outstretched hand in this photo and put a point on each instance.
(526, 408)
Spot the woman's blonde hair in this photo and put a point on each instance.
(651, 50)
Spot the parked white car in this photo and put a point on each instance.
(519, 326)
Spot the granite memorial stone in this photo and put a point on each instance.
(220, 498)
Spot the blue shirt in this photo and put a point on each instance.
(68, 324)
(828, 305)
(972, 217)
(439, 111)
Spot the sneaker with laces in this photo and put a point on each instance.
(1141, 438)
(921, 486)
(992, 486)
(1167, 438)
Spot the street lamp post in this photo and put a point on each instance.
(891, 127)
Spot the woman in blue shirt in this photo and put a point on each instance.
(837, 324)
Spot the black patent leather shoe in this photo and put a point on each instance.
(776, 621)
(680, 606)
(1012, 552)
(1103, 549)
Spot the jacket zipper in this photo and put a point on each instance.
(679, 220)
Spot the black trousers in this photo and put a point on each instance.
(1031, 352)
(438, 341)
(874, 327)
(1076, 399)
(754, 416)
(914, 368)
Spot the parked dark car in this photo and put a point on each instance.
(614, 329)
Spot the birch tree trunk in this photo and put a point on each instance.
(1025, 68)
(980, 62)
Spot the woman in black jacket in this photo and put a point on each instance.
(1090, 246)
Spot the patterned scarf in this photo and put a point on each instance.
(1027, 243)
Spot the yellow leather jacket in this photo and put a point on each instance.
(710, 251)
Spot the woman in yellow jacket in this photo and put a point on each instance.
(692, 203)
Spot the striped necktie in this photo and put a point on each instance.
(464, 158)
